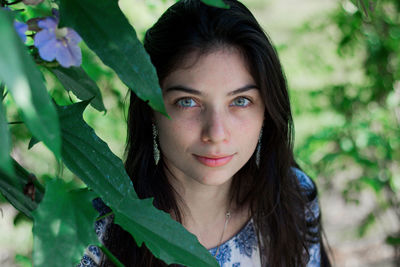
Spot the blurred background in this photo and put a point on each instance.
(342, 60)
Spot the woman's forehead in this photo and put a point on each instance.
(222, 68)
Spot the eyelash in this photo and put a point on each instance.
(183, 99)
(177, 102)
(244, 98)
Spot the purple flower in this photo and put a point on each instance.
(58, 43)
(21, 28)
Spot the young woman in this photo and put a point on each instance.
(223, 164)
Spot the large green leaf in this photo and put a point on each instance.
(5, 140)
(25, 83)
(63, 225)
(216, 3)
(76, 80)
(108, 33)
(90, 158)
(85, 154)
(166, 239)
(23, 190)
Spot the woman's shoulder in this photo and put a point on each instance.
(310, 190)
(304, 180)
(307, 185)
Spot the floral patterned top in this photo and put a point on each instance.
(241, 250)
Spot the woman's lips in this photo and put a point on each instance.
(212, 161)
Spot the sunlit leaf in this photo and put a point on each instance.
(63, 226)
(25, 83)
(23, 261)
(76, 80)
(108, 33)
(395, 182)
(85, 154)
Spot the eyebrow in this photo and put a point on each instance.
(196, 92)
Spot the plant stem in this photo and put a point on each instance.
(105, 215)
(16, 122)
(4, 96)
(111, 257)
(47, 64)
(60, 168)
(13, 3)
(2, 86)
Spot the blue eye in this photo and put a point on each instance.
(241, 102)
(186, 102)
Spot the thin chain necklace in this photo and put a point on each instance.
(227, 217)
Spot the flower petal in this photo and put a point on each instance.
(76, 53)
(21, 28)
(72, 36)
(43, 37)
(64, 57)
(48, 23)
(69, 55)
(48, 50)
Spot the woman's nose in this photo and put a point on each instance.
(214, 128)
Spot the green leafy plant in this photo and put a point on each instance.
(365, 139)
(63, 214)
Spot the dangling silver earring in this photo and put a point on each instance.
(156, 151)
(258, 149)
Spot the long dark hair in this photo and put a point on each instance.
(277, 202)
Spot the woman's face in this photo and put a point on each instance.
(216, 116)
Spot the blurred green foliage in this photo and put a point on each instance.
(362, 143)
